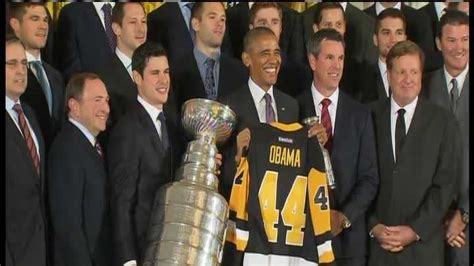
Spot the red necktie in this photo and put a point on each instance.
(99, 149)
(326, 121)
(28, 138)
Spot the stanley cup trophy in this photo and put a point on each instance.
(309, 121)
(189, 218)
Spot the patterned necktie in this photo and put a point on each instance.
(37, 66)
(400, 132)
(164, 131)
(454, 94)
(107, 9)
(189, 7)
(269, 112)
(98, 147)
(326, 122)
(28, 138)
(209, 83)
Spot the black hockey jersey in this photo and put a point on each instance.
(279, 204)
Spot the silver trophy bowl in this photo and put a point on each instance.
(189, 217)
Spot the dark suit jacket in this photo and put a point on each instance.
(166, 25)
(293, 76)
(34, 97)
(241, 102)
(418, 188)
(187, 82)
(358, 36)
(26, 220)
(418, 26)
(436, 91)
(79, 200)
(81, 43)
(138, 166)
(354, 162)
(372, 88)
(120, 86)
(291, 39)
(434, 61)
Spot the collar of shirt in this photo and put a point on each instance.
(257, 95)
(9, 104)
(186, 13)
(251, 4)
(150, 109)
(460, 78)
(344, 5)
(439, 7)
(126, 61)
(84, 131)
(31, 58)
(379, 7)
(318, 97)
(409, 111)
(98, 8)
(383, 74)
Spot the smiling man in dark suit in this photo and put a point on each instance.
(143, 152)
(448, 87)
(25, 214)
(419, 147)
(129, 27)
(351, 144)
(78, 193)
(45, 89)
(206, 72)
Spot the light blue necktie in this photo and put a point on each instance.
(43, 81)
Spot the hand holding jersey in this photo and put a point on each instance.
(278, 182)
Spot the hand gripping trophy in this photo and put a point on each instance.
(189, 217)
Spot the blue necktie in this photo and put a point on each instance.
(107, 9)
(43, 81)
(209, 83)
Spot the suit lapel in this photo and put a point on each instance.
(147, 123)
(282, 108)
(307, 107)
(381, 94)
(96, 23)
(385, 135)
(223, 76)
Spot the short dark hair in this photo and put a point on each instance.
(452, 17)
(404, 48)
(257, 6)
(142, 55)
(314, 42)
(389, 13)
(18, 9)
(197, 10)
(75, 86)
(255, 33)
(318, 12)
(11, 38)
(118, 12)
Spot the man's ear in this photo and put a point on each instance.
(116, 28)
(246, 59)
(137, 77)
(14, 24)
(374, 39)
(312, 61)
(250, 26)
(315, 28)
(195, 23)
(438, 43)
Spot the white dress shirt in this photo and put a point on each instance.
(91, 138)
(30, 58)
(9, 103)
(98, 8)
(332, 108)
(460, 79)
(409, 111)
(126, 61)
(259, 101)
(379, 7)
(153, 112)
(440, 8)
(383, 74)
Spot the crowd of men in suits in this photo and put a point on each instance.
(93, 124)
